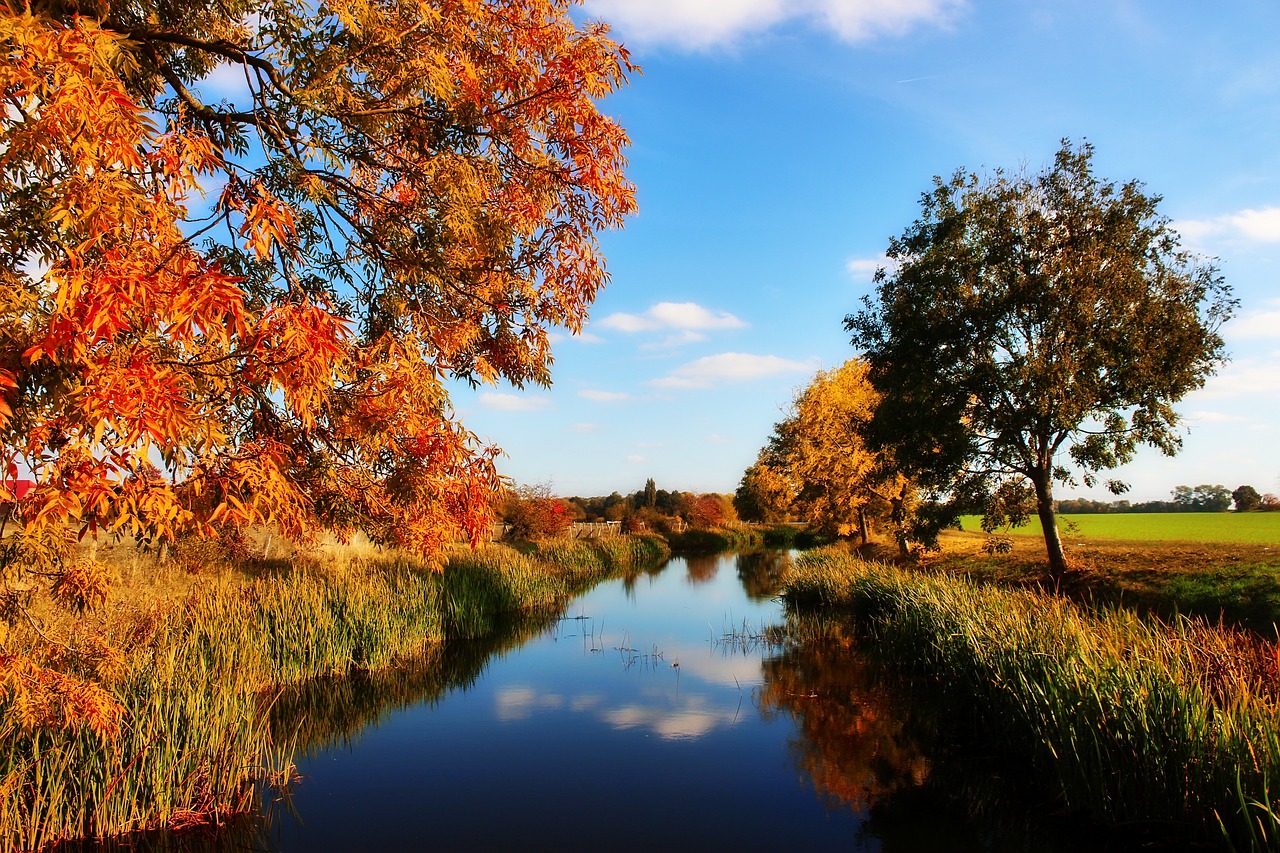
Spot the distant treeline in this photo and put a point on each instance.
(1202, 498)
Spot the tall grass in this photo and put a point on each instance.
(1130, 720)
(716, 539)
(196, 735)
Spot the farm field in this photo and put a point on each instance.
(1253, 528)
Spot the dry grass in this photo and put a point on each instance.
(1236, 582)
(200, 639)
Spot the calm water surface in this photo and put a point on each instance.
(650, 716)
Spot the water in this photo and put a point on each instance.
(650, 716)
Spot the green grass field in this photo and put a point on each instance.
(1255, 528)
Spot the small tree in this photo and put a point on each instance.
(533, 513)
(1032, 329)
(706, 511)
(1246, 498)
(763, 495)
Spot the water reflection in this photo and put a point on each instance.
(854, 740)
(664, 688)
(761, 572)
(892, 751)
(702, 568)
(324, 713)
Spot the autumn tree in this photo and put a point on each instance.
(706, 511)
(819, 456)
(1037, 329)
(764, 494)
(533, 513)
(265, 295)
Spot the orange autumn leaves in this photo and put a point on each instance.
(213, 316)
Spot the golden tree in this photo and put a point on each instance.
(264, 298)
(819, 458)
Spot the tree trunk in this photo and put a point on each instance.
(1052, 541)
(862, 526)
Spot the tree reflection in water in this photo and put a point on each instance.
(761, 572)
(854, 742)
(701, 568)
(896, 752)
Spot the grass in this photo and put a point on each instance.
(1256, 528)
(1127, 719)
(717, 539)
(199, 653)
(1238, 582)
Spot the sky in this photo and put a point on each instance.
(778, 144)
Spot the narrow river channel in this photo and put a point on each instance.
(650, 716)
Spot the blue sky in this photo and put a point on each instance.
(778, 144)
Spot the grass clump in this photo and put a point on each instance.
(197, 656)
(1128, 719)
(705, 541)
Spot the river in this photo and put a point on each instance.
(652, 715)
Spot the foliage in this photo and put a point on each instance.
(533, 513)
(763, 495)
(1203, 498)
(266, 299)
(707, 511)
(1246, 498)
(1029, 329)
(818, 465)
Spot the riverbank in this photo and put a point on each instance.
(1127, 720)
(190, 670)
(1236, 582)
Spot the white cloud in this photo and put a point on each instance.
(702, 24)
(1258, 226)
(585, 428)
(676, 339)
(512, 402)
(864, 269)
(605, 396)
(1245, 377)
(1207, 417)
(688, 317)
(226, 82)
(1261, 225)
(1254, 325)
(635, 459)
(730, 367)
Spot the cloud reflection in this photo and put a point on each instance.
(671, 714)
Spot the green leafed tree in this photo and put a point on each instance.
(1035, 329)
(1246, 498)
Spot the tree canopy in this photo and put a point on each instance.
(1029, 329)
(215, 313)
(818, 464)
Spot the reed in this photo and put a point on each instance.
(196, 668)
(1131, 720)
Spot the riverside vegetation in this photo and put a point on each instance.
(197, 664)
(1164, 725)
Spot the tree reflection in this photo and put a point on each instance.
(702, 569)
(853, 739)
(761, 572)
(321, 713)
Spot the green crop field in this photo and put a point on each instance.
(1257, 528)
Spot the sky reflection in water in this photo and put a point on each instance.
(629, 724)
